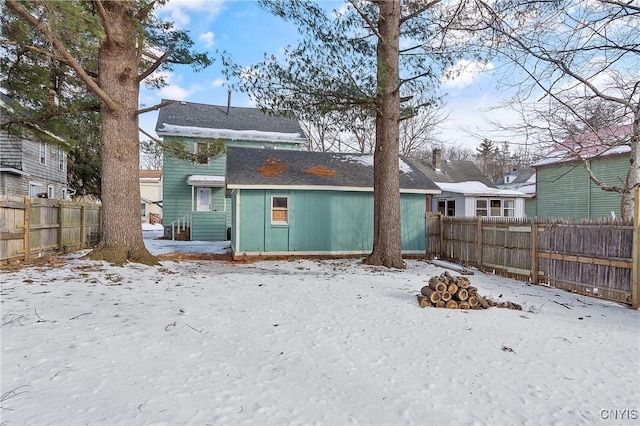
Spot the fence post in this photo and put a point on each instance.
(83, 231)
(27, 226)
(441, 217)
(635, 253)
(60, 226)
(479, 245)
(534, 251)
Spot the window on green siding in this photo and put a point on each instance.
(279, 210)
(201, 151)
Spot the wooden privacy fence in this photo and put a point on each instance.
(588, 256)
(35, 227)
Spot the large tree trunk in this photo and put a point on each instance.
(387, 248)
(121, 239)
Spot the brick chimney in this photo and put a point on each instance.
(437, 160)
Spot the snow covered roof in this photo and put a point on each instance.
(478, 189)
(205, 180)
(230, 134)
(222, 122)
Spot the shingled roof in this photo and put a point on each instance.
(453, 172)
(258, 168)
(215, 121)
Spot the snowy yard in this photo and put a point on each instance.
(326, 342)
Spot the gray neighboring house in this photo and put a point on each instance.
(523, 179)
(467, 192)
(31, 166)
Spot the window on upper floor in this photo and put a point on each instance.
(201, 152)
(61, 159)
(43, 153)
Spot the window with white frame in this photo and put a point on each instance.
(509, 208)
(495, 207)
(61, 159)
(63, 194)
(43, 153)
(34, 189)
(51, 192)
(201, 150)
(279, 210)
(143, 210)
(447, 207)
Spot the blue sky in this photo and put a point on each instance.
(247, 32)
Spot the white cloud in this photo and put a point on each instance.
(207, 38)
(174, 92)
(179, 11)
(218, 82)
(464, 73)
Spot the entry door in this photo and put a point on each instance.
(203, 199)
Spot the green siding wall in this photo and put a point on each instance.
(566, 190)
(176, 192)
(208, 226)
(320, 221)
(177, 196)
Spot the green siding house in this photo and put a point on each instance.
(563, 186)
(194, 198)
(315, 203)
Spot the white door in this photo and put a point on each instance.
(203, 197)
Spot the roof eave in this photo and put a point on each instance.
(328, 188)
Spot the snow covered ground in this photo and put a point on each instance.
(326, 342)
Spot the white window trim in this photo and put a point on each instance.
(488, 207)
(34, 185)
(287, 209)
(195, 152)
(60, 159)
(51, 191)
(42, 154)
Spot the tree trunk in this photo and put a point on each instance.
(121, 239)
(633, 177)
(387, 248)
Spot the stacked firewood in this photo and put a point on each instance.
(456, 292)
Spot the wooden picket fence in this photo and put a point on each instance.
(593, 257)
(31, 228)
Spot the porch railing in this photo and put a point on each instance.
(180, 224)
